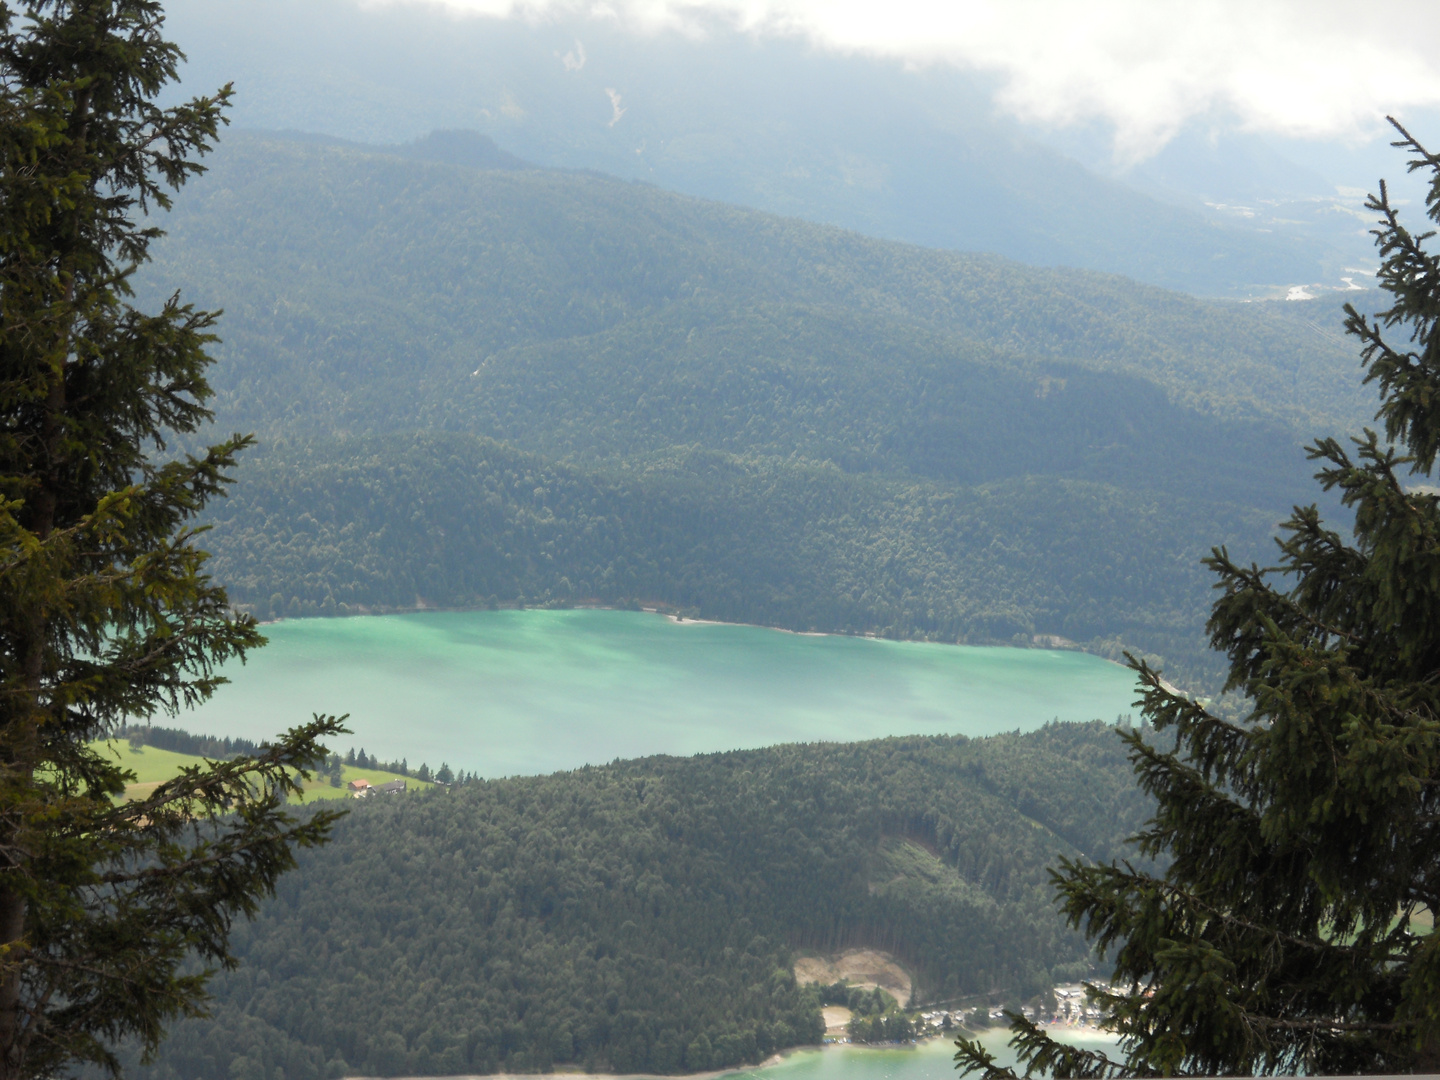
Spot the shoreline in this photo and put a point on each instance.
(1040, 642)
(682, 620)
(711, 1074)
(715, 1074)
(667, 615)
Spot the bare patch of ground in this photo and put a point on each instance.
(865, 968)
(836, 1019)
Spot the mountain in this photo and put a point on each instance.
(748, 416)
(1292, 186)
(456, 265)
(645, 916)
(918, 155)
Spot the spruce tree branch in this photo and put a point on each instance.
(306, 832)
(1328, 1025)
(1410, 142)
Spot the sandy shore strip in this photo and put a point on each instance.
(686, 620)
(740, 1070)
(773, 1059)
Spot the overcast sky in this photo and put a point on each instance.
(1317, 69)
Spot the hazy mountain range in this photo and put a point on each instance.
(915, 155)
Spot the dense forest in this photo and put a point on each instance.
(718, 410)
(362, 289)
(644, 916)
(335, 527)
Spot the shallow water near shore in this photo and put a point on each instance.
(526, 692)
(929, 1060)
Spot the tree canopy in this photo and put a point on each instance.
(106, 611)
(1302, 837)
(645, 916)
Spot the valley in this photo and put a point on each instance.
(501, 409)
(479, 386)
(773, 607)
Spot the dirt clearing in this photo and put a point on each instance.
(865, 968)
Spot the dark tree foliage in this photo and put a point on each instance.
(644, 916)
(183, 742)
(857, 999)
(336, 527)
(1303, 839)
(890, 1027)
(105, 609)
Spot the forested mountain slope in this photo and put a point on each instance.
(768, 419)
(345, 266)
(644, 916)
(330, 526)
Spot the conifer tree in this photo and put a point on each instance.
(106, 612)
(1301, 839)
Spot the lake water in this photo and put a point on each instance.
(930, 1060)
(526, 692)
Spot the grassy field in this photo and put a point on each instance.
(153, 766)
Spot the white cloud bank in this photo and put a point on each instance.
(1313, 69)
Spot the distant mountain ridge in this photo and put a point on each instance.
(766, 122)
(469, 149)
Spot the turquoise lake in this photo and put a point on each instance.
(525, 692)
(930, 1060)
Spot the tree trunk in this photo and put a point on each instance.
(19, 746)
(12, 1025)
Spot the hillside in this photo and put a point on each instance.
(784, 422)
(644, 916)
(153, 765)
(348, 272)
(375, 523)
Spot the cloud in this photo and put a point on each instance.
(1313, 69)
(616, 109)
(574, 60)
